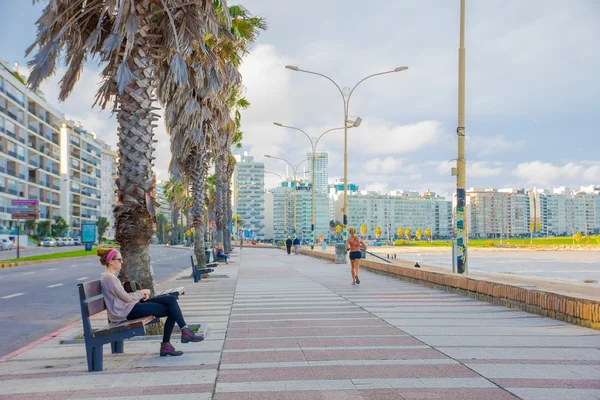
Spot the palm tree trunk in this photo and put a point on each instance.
(133, 221)
(174, 219)
(228, 216)
(198, 189)
(219, 194)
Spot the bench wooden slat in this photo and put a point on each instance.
(123, 326)
(96, 306)
(91, 289)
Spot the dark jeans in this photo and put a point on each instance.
(289, 249)
(222, 255)
(163, 306)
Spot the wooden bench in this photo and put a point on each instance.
(92, 303)
(197, 273)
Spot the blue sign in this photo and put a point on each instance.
(88, 233)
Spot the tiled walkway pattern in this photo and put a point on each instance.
(293, 327)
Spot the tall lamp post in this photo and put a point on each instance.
(295, 170)
(313, 143)
(461, 165)
(346, 95)
(284, 203)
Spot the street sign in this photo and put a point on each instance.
(24, 215)
(213, 226)
(188, 232)
(88, 233)
(21, 203)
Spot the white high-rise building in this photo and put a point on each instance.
(109, 186)
(494, 213)
(320, 184)
(80, 171)
(283, 212)
(565, 213)
(248, 195)
(29, 150)
(396, 210)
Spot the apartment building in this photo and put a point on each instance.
(564, 212)
(320, 174)
(29, 149)
(248, 195)
(81, 176)
(283, 219)
(396, 210)
(494, 213)
(108, 171)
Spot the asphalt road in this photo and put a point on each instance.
(36, 251)
(39, 299)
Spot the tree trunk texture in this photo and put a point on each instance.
(219, 195)
(199, 172)
(228, 216)
(133, 221)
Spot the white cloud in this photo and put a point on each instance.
(381, 187)
(485, 146)
(543, 173)
(388, 165)
(378, 137)
(480, 169)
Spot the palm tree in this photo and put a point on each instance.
(137, 41)
(175, 195)
(363, 230)
(400, 233)
(428, 233)
(419, 234)
(244, 31)
(377, 232)
(195, 113)
(237, 221)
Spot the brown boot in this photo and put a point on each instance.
(167, 349)
(188, 336)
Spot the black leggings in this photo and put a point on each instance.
(163, 306)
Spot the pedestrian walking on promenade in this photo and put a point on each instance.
(288, 245)
(353, 245)
(296, 245)
(126, 306)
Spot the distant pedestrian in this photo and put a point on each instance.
(323, 245)
(288, 245)
(296, 245)
(353, 245)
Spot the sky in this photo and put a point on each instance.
(532, 90)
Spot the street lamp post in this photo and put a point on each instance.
(313, 143)
(295, 170)
(346, 95)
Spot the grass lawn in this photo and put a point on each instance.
(551, 241)
(67, 254)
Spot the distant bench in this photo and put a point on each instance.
(197, 273)
(91, 300)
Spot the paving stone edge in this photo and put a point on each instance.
(574, 310)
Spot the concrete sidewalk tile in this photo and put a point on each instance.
(292, 328)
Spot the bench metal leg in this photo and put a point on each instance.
(94, 358)
(117, 347)
(196, 277)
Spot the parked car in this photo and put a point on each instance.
(68, 241)
(6, 244)
(76, 241)
(48, 242)
(59, 242)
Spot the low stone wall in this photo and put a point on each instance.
(570, 309)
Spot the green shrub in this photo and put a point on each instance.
(400, 242)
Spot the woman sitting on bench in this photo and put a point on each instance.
(221, 253)
(126, 306)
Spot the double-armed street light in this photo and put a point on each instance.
(313, 143)
(295, 171)
(346, 95)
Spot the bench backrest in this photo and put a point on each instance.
(194, 264)
(91, 300)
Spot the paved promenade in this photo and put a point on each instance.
(293, 327)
